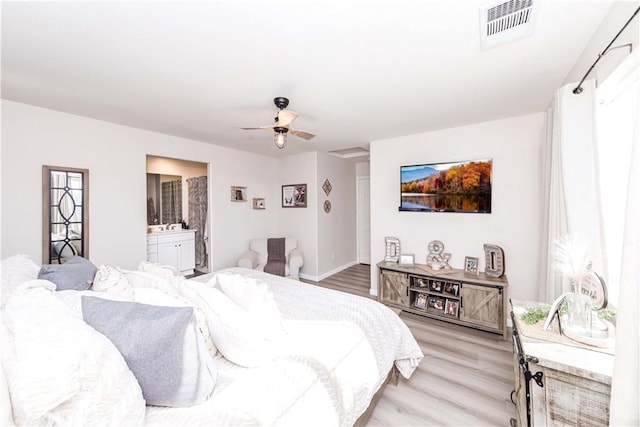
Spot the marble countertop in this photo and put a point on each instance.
(572, 359)
(180, 230)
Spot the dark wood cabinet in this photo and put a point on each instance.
(457, 297)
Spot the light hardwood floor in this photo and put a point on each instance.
(465, 378)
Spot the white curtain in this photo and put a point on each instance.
(625, 387)
(571, 194)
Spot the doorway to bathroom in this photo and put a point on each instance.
(178, 206)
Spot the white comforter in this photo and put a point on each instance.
(337, 353)
(344, 347)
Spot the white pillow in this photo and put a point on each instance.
(14, 271)
(60, 371)
(256, 299)
(143, 279)
(73, 299)
(234, 332)
(110, 279)
(167, 272)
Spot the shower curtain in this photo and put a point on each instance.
(197, 188)
(171, 202)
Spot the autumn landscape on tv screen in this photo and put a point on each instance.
(447, 187)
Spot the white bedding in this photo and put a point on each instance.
(338, 353)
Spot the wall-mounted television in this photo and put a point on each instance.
(446, 187)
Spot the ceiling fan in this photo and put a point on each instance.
(281, 125)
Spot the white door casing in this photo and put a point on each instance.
(363, 215)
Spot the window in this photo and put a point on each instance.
(616, 115)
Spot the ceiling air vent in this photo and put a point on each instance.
(505, 22)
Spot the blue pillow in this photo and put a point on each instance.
(161, 346)
(76, 274)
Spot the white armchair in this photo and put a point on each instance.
(256, 257)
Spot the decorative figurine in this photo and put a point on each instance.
(438, 259)
(493, 260)
(393, 249)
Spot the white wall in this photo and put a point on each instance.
(116, 158)
(301, 223)
(515, 223)
(618, 15)
(336, 229)
(362, 168)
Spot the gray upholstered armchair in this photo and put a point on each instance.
(256, 257)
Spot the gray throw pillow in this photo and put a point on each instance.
(74, 275)
(162, 347)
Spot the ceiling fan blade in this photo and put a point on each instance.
(302, 134)
(286, 117)
(259, 127)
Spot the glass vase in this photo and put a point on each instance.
(579, 311)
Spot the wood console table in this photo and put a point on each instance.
(576, 380)
(473, 300)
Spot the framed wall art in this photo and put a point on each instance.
(294, 196)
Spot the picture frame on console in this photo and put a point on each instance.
(435, 286)
(451, 307)
(407, 260)
(421, 301)
(471, 264)
(436, 303)
(451, 289)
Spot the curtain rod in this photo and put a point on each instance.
(578, 88)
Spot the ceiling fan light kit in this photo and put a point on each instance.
(282, 121)
(280, 136)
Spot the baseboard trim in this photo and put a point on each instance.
(327, 274)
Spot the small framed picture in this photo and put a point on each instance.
(421, 301)
(294, 196)
(435, 285)
(258, 203)
(407, 260)
(451, 307)
(238, 194)
(451, 288)
(471, 264)
(436, 303)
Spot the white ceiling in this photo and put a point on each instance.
(355, 71)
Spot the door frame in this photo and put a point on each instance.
(358, 179)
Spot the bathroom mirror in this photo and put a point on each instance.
(65, 213)
(164, 199)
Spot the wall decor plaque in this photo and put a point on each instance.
(326, 187)
(327, 206)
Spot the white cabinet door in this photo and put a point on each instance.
(168, 254)
(187, 255)
(177, 250)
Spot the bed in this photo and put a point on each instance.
(336, 351)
